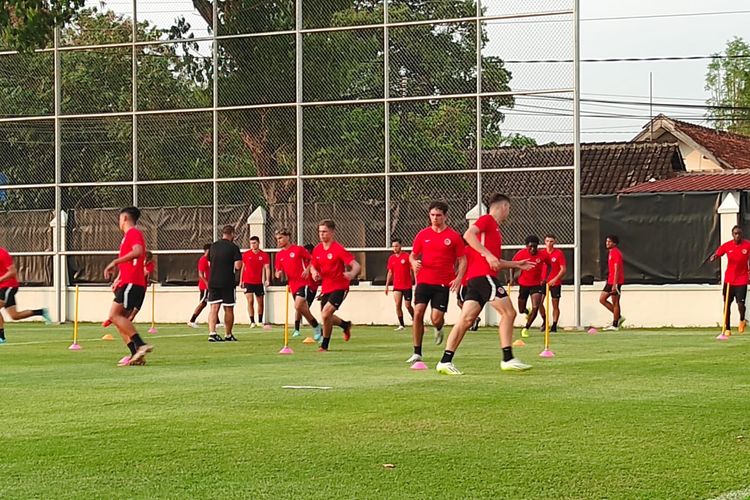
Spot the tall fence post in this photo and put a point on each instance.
(728, 211)
(60, 266)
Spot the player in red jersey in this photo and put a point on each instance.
(461, 295)
(148, 271)
(130, 285)
(483, 286)
(256, 275)
(554, 273)
(204, 269)
(294, 262)
(399, 268)
(328, 265)
(8, 289)
(436, 253)
(615, 279)
(737, 251)
(531, 282)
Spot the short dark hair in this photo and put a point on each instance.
(149, 255)
(254, 238)
(207, 246)
(440, 205)
(133, 213)
(737, 227)
(309, 247)
(327, 223)
(532, 239)
(227, 230)
(550, 235)
(613, 238)
(497, 198)
(395, 240)
(282, 232)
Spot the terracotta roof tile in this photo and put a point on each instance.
(732, 149)
(693, 182)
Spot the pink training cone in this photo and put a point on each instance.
(74, 347)
(592, 331)
(286, 350)
(547, 354)
(721, 336)
(152, 330)
(419, 365)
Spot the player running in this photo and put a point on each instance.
(294, 262)
(204, 269)
(8, 290)
(615, 279)
(256, 275)
(531, 281)
(399, 268)
(484, 255)
(737, 251)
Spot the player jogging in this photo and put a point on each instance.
(553, 273)
(615, 279)
(531, 281)
(224, 258)
(737, 251)
(329, 263)
(204, 268)
(8, 290)
(294, 262)
(256, 275)
(436, 252)
(485, 243)
(130, 286)
(399, 268)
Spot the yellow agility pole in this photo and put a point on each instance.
(153, 309)
(546, 353)
(724, 334)
(75, 346)
(286, 349)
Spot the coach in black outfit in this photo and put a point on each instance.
(225, 258)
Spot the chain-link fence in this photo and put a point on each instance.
(359, 111)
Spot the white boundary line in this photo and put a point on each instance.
(98, 340)
(734, 495)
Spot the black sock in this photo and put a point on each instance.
(447, 357)
(260, 318)
(345, 324)
(554, 324)
(418, 350)
(507, 353)
(193, 318)
(326, 341)
(137, 340)
(37, 312)
(401, 320)
(252, 319)
(2, 333)
(314, 323)
(296, 325)
(131, 346)
(614, 323)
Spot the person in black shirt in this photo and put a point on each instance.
(224, 258)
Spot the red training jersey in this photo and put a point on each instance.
(292, 261)
(438, 252)
(556, 261)
(615, 257)
(148, 268)
(492, 239)
(330, 263)
(132, 271)
(535, 275)
(400, 268)
(737, 258)
(254, 263)
(5, 262)
(204, 266)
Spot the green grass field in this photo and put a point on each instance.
(634, 414)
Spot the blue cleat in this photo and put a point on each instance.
(318, 333)
(46, 316)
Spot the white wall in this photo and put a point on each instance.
(642, 305)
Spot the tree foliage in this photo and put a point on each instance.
(30, 24)
(728, 80)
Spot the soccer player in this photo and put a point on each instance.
(130, 286)
(615, 279)
(436, 252)
(554, 274)
(294, 262)
(461, 296)
(737, 251)
(329, 262)
(204, 268)
(256, 274)
(531, 281)
(148, 269)
(484, 255)
(224, 258)
(8, 290)
(399, 268)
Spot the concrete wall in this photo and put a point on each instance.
(642, 305)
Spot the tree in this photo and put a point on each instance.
(728, 80)
(30, 24)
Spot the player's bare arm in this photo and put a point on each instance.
(136, 252)
(388, 280)
(456, 283)
(353, 272)
(416, 264)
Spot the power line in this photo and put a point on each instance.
(627, 59)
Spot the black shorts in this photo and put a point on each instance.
(222, 296)
(306, 292)
(255, 289)
(555, 291)
(204, 295)
(736, 292)
(435, 295)
(335, 298)
(130, 296)
(484, 289)
(8, 296)
(525, 291)
(608, 288)
(462, 293)
(405, 292)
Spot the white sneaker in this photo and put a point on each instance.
(514, 365)
(192, 325)
(219, 325)
(611, 328)
(438, 336)
(295, 333)
(414, 358)
(398, 329)
(252, 325)
(447, 369)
